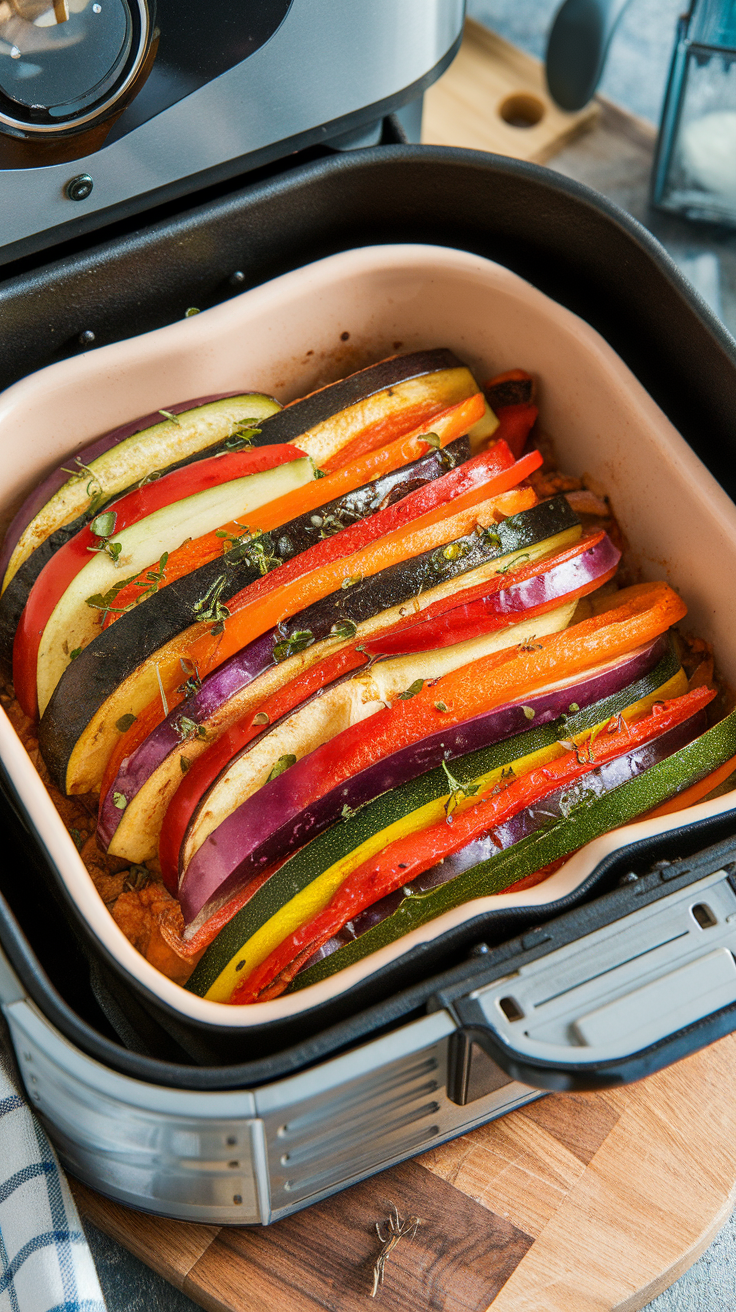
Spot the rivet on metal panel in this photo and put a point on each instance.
(237, 1199)
(231, 1141)
(237, 278)
(534, 938)
(87, 337)
(233, 1165)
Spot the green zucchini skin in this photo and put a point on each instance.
(116, 652)
(619, 807)
(335, 843)
(296, 420)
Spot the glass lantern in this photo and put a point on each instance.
(695, 169)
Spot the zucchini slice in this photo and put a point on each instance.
(115, 675)
(75, 622)
(588, 821)
(328, 859)
(135, 457)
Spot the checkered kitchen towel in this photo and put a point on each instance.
(45, 1264)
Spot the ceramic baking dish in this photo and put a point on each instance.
(289, 336)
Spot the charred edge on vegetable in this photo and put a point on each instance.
(115, 653)
(298, 419)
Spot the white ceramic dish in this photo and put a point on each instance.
(287, 337)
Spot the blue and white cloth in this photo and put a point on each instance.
(45, 1262)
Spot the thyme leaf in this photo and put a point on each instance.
(188, 728)
(344, 629)
(125, 722)
(73, 654)
(352, 581)
(192, 683)
(261, 718)
(432, 439)
(411, 691)
(298, 641)
(282, 764)
(120, 801)
(168, 415)
(184, 764)
(458, 791)
(209, 607)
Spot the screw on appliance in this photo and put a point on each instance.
(79, 188)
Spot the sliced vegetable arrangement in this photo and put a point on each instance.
(332, 670)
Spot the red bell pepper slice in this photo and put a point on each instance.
(204, 771)
(206, 768)
(462, 486)
(452, 423)
(67, 562)
(503, 602)
(408, 857)
(515, 423)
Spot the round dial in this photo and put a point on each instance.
(65, 63)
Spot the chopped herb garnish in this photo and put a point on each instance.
(348, 812)
(488, 536)
(529, 712)
(73, 654)
(125, 722)
(187, 728)
(440, 706)
(455, 550)
(296, 642)
(79, 839)
(193, 683)
(319, 473)
(458, 791)
(352, 581)
(120, 801)
(261, 718)
(104, 525)
(344, 629)
(184, 764)
(105, 601)
(573, 707)
(168, 415)
(511, 564)
(282, 764)
(137, 877)
(209, 607)
(411, 691)
(432, 439)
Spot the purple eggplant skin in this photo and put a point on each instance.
(270, 825)
(544, 588)
(294, 537)
(556, 583)
(541, 814)
(240, 670)
(380, 592)
(117, 651)
(56, 479)
(297, 419)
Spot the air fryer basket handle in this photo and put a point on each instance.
(609, 992)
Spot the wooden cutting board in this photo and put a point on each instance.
(573, 1203)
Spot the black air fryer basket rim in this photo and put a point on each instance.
(592, 236)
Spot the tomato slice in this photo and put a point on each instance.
(66, 563)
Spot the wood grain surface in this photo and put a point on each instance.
(574, 1203)
(488, 79)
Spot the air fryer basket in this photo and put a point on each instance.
(561, 237)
